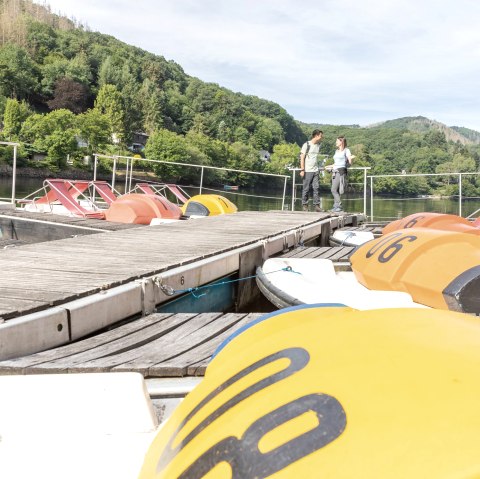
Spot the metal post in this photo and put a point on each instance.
(459, 194)
(365, 192)
(201, 180)
(14, 173)
(293, 190)
(284, 192)
(94, 167)
(371, 198)
(126, 177)
(131, 174)
(114, 172)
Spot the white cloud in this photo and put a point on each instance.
(328, 61)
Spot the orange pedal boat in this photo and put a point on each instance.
(437, 221)
(438, 268)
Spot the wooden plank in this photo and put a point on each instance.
(22, 365)
(181, 345)
(181, 365)
(166, 346)
(159, 327)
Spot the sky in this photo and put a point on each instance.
(340, 62)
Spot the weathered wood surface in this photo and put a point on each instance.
(38, 276)
(66, 220)
(159, 345)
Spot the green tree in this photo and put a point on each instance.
(57, 67)
(16, 112)
(283, 156)
(93, 127)
(164, 145)
(41, 40)
(153, 106)
(109, 102)
(243, 157)
(216, 151)
(54, 133)
(18, 73)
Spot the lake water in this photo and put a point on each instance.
(384, 209)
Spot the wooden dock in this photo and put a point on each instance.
(158, 345)
(60, 291)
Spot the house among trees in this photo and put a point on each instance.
(139, 141)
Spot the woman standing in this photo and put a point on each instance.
(342, 160)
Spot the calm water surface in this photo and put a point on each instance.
(384, 209)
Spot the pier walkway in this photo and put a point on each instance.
(159, 345)
(79, 285)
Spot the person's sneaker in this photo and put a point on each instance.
(336, 210)
(305, 207)
(318, 209)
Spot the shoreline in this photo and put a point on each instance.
(68, 174)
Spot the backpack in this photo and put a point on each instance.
(306, 153)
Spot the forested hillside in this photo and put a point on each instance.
(68, 92)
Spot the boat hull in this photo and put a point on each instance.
(437, 268)
(436, 221)
(305, 388)
(208, 205)
(350, 237)
(294, 281)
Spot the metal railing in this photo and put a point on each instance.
(368, 180)
(363, 168)
(416, 175)
(130, 160)
(14, 167)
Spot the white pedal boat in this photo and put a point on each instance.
(350, 237)
(293, 281)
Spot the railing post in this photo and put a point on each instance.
(371, 198)
(365, 192)
(114, 172)
(201, 180)
(293, 190)
(131, 175)
(459, 194)
(14, 173)
(94, 167)
(126, 176)
(284, 192)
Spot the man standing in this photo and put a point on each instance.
(309, 170)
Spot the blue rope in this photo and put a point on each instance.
(197, 288)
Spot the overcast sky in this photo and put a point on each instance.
(324, 61)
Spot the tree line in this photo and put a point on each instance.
(68, 92)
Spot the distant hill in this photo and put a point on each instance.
(421, 124)
(472, 135)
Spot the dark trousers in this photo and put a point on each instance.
(310, 180)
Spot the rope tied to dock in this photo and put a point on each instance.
(169, 291)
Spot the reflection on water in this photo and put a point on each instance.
(384, 209)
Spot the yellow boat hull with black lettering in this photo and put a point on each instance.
(314, 392)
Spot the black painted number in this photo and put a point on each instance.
(413, 221)
(244, 456)
(390, 246)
